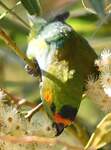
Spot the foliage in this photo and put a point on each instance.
(92, 20)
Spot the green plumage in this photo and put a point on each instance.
(63, 56)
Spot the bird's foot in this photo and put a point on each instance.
(34, 72)
(30, 112)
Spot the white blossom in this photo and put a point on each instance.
(104, 61)
(96, 93)
(106, 57)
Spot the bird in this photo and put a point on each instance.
(64, 60)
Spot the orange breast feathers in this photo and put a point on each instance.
(59, 119)
(47, 95)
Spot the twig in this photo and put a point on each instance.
(36, 139)
(17, 100)
(14, 14)
(6, 12)
(13, 46)
(30, 112)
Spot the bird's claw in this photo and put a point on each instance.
(34, 72)
(30, 112)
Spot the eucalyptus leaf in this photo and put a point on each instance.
(32, 6)
(102, 134)
(96, 6)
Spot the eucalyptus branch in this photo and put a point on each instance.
(36, 139)
(15, 49)
(6, 12)
(14, 14)
(16, 100)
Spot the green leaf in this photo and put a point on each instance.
(102, 134)
(97, 6)
(32, 6)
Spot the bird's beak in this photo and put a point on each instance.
(59, 128)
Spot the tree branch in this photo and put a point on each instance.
(36, 139)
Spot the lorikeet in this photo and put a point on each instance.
(64, 61)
